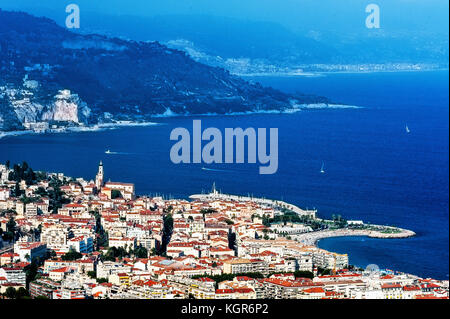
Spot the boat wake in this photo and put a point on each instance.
(214, 169)
(116, 153)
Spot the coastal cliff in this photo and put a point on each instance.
(67, 107)
(51, 74)
(20, 108)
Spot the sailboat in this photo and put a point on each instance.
(407, 129)
(322, 171)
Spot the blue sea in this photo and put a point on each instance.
(375, 171)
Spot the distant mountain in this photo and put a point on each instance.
(53, 75)
(218, 36)
(245, 46)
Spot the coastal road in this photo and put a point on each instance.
(6, 248)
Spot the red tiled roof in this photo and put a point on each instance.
(314, 290)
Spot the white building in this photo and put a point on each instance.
(56, 237)
(4, 193)
(107, 268)
(126, 189)
(124, 242)
(29, 251)
(13, 275)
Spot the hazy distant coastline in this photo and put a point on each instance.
(325, 73)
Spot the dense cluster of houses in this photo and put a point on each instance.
(217, 248)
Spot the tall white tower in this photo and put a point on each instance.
(214, 190)
(100, 176)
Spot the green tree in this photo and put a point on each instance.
(116, 194)
(72, 255)
(22, 293)
(41, 192)
(102, 235)
(31, 272)
(231, 240)
(10, 293)
(11, 225)
(22, 172)
(223, 277)
(17, 190)
(141, 252)
(167, 232)
(56, 196)
(10, 229)
(303, 274)
(266, 221)
(114, 252)
(323, 271)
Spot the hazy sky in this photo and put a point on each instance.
(342, 15)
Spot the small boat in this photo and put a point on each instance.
(108, 152)
(322, 171)
(407, 129)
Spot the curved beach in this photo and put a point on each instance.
(313, 237)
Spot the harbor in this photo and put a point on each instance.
(313, 237)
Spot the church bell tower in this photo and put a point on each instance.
(100, 176)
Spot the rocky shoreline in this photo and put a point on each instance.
(75, 129)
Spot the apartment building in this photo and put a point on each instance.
(56, 236)
(14, 275)
(29, 251)
(43, 287)
(81, 244)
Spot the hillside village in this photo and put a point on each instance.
(66, 238)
